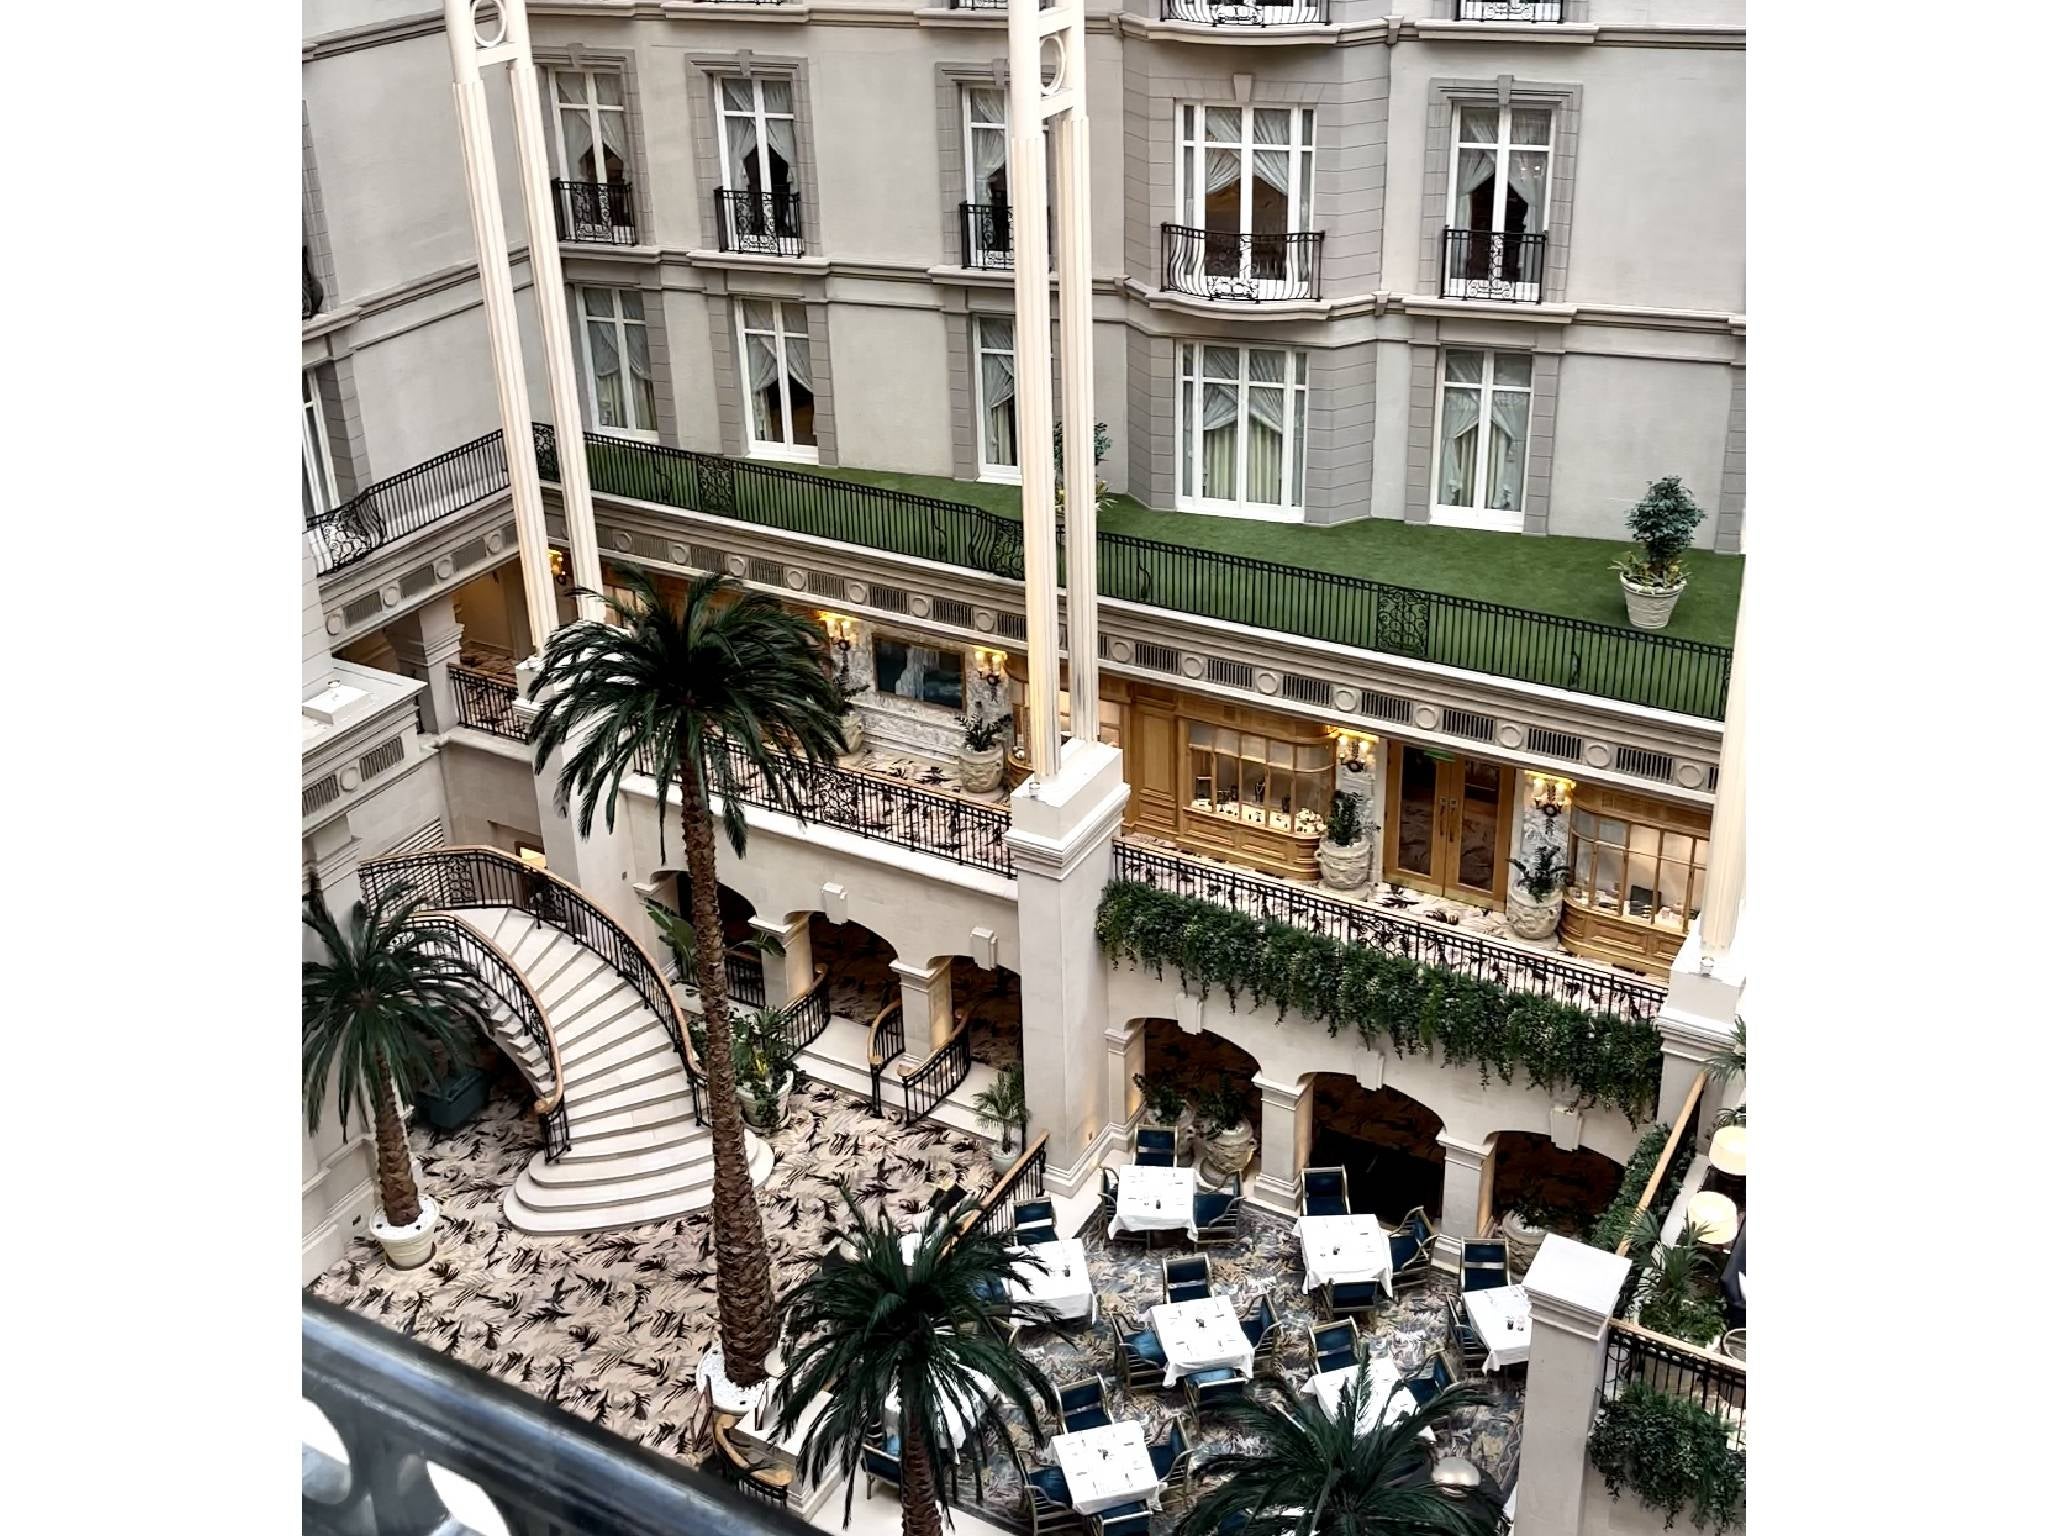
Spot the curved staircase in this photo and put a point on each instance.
(636, 1146)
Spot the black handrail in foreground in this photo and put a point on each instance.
(397, 1404)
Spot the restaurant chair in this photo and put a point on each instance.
(1335, 1345)
(881, 1458)
(1461, 1338)
(946, 1199)
(1352, 1298)
(1134, 1519)
(1172, 1460)
(1482, 1265)
(1325, 1192)
(1185, 1279)
(1262, 1328)
(1140, 1357)
(1085, 1405)
(1048, 1503)
(1207, 1389)
(1216, 1215)
(1034, 1223)
(1155, 1147)
(1411, 1245)
(1436, 1377)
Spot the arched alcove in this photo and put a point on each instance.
(1564, 1192)
(1384, 1140)
(1201, 1065)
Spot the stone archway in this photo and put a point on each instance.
(994, 1000)
(858, 960)
(1384, 1140)
(1202, 1066)
(1564, 1192)
(735, 912)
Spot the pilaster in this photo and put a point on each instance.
(1122, 1101)
(927, 1006)
(427, 642)
(787, 976)
(1698, 1019)
(1468, 1192)
(1572, 1290)
(1286, 1121)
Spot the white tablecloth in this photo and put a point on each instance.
(1384, 1393)
(908, 1245)
(1063, 1285)
(960, 1417)
(1107, 1466)
(1154, 1200)
(1501, 1316)
(1198, 1334)
(1335, 1248)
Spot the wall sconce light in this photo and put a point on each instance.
(988, 666)
(557, 568)
(839, 630)
(1549, 794)
(1355, 747)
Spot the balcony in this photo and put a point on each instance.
(1511, 10)
(1238, 268)
(1504, 266)
(985, 235)
(754, 223)
(594, 212)
(311, 298)
(1246, 13)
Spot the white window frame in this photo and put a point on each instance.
(1497, 520)
(617, 321)
(969, 128)
(590, 106)
(729, 173)
(1460, 285)
(795, 453)
(1192, 498)
(317, 455)
(1002, 474)
(1191, 161)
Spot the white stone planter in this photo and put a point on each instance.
(856, 733)
(765, 1114)
(1533, 919)
(1005, 1161)
(979, 772)
(408, 1247)
(1228, 1153)
(1345, 867)
(1650, 607)
(1522, 1239)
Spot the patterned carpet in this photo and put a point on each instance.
(610, 1326)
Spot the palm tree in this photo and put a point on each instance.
(927, 1332)
(1322, 1474)
(700, 696)
(382, 1009)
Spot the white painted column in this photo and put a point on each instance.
(1077, 376)
(1468, 1192)
(1721, 903)
(427, 642)
(1286, 1123)
(1121, 1101)
(927, 1006)
(786, 976)
(1060, 840)
(1572, 1290)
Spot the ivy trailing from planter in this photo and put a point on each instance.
(1462, 1020)
(1670, 1453)
(1614, 1222)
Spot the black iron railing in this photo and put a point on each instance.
(1714, 1382)
(985, 229)
(1427, 943)
(454, 878)
(758, 223)
(1246, 13)
(744, 982)
(808, 1015)
(407, 502)
(398, 1406)
(519, 1015)
(487, 703)
(978, 5)
(594, 212)
(1511, 10)
(885, 1044)
(1493, 264)
(311, 298)
(1223, 264)
(927, 1084)
(996, 1211)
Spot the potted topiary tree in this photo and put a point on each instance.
(1001, 1104)
(1059, 472)
(983, 742)
(1536, 894)
(1653, 576)
(1225, 1132)
(1344, 855)
(1168, 1108)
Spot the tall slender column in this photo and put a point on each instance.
(1121, 1100)
(1077, 381)
(1286, 1122)
(1572, 1290)
(1721, 902)
(787, 976)
(427, 642)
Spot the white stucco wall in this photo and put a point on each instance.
(891, 412)
(1623, 422)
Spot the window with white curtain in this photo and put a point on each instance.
(317, 459)
(1242, 430)
(590, 124)
(986, 110)
(1500, 207)
(995, 374)
(775, 356)
(615, 359)
(1246, 172)
(1482, 439)
(757, 137)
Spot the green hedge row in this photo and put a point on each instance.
(1671, 1453)
(1613, 1224)
(1463, 1020)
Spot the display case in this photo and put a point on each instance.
(1637, 873)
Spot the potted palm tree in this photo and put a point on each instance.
(726, 687)
(764, 1061)
(1307, 1472)
(1536, 894)
(681, 939)
(1001, 1104)
(1223, 1131)
(983, 741)
(890, 1344)
(1653, 576)
(373, 1013)
(1344, 855)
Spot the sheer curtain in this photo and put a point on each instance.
(764, 376)
(1460, 447)
(1526, 170)
(987, 142)
(998, 390)
(1266, 428)
(1504, 450)
(1270, 165)
(643, 377)
(1475, 167)
(1219, 442)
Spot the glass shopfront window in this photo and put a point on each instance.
(1240, 776)
(1624, 866)
(925, 673)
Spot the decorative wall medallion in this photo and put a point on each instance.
(679, 553)
(794, 579)
(444, 568)
(1346, 699)
(1598, 754)
(856, 591)
(984, 619)
(1508, 735)
(348, 780)
(1426, 716)
(1192, 666)
(1266, 682)
(737, 566)
(621, 540)
(390, 595)
(334, 623)
(1120, 650)
(920, 606)
(1691, 775)
(494, 541)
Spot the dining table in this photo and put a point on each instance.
(1385, 1397)
(1063, 1284)
(1153, 1199)
(1501, 1318)
(1198, 1334)
(1336, 1249)
(1107, 1466)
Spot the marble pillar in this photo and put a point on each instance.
(1572, 1290)
(1286, 1123)
(1122, 1101)
(1468, 1193)
(927, 1006)
(787, 976)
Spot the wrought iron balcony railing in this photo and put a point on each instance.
(1511, 10)
(1493, 264)
(407, 502)
(312, 297)
(985, 236)
(1223, 264)
(594, 212)
(758, 223)
(1246, 13)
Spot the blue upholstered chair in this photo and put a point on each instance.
(1140, 1357)
(1335, 1345)
(1048, 1504)
(1206, 1389)
(1216, 1215)
(1325, 1192)
(1184, 1279)
(1155, 1147)
(1035, 1222)
(1085, 1405)
(1262, 1327)
(1352, 1298)
(1411, 1244)
(1172, 1460)
(1051, 1482)
(1433, 1378)
(1482, 1265)
(1461, 1338)
(1133, 1519)
(881, 1458)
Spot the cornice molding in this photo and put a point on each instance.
(354, 39)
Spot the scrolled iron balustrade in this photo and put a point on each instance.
(928, 1084)
(407, 502)
(1246, 13)
(397, 1405)
(1511, 10)
(1433, 944)
(1713, 1382)
(487, 704)
(806, 1017)
(996, 1211)
(985, 232)
(1503, 265)
(758, 223)
(885, 1044)
(594, 212)
(1241, 268)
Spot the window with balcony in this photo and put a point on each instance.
(1243, 184)
(985, 216)
(1246, 13)
(1242, 430)
(593, 194)
(321, 491)
(1511, 10)
(616, 359)
(757, 196)
(995, 374)
(1495, 241)
(1482, 444)
(775, 358)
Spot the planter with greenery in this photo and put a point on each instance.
(1653, 576)
(1001, 1104)
(850, 727)
(1536, 895)
(983, 742)
(1585, 1058)
(1615, 1221)
(1345, 855)
(1671, 1454)
(681, 939)
(1223, 1131)
(764, 1064)
(1675, 1284)
(373, 1016)
(1168, 1108)
(457, 1094)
